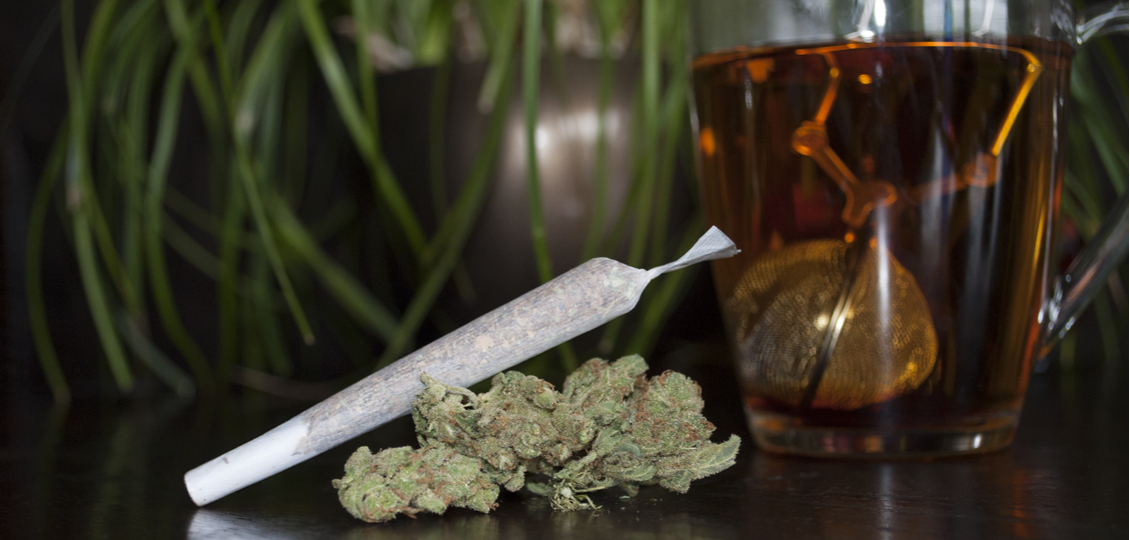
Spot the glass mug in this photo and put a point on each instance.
(891, 170)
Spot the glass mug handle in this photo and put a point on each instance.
(1086, 274)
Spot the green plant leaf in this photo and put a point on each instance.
(163, 295)
(500, 19)
(349, 293)
(453, 231)
(78, 181)
(33, 277)
(161, 365)
(363, 137)
(531, 66)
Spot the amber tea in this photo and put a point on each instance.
(895, 205)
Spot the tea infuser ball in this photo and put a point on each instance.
(841, 325)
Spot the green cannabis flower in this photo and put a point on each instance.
(610, 426)
(377, 487)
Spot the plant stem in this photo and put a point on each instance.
(600, 171)
(37, 312)
(158, 170)
(458, 221)
(349, 293)
(79, 185)
(531, 59)
(504, 13)
(369, 147)
(246, 172)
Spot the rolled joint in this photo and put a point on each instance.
(561, 309)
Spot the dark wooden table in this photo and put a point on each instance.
(112, 469)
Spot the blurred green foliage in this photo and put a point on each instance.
(251, 72)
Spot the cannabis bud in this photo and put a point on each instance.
(610, 426)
